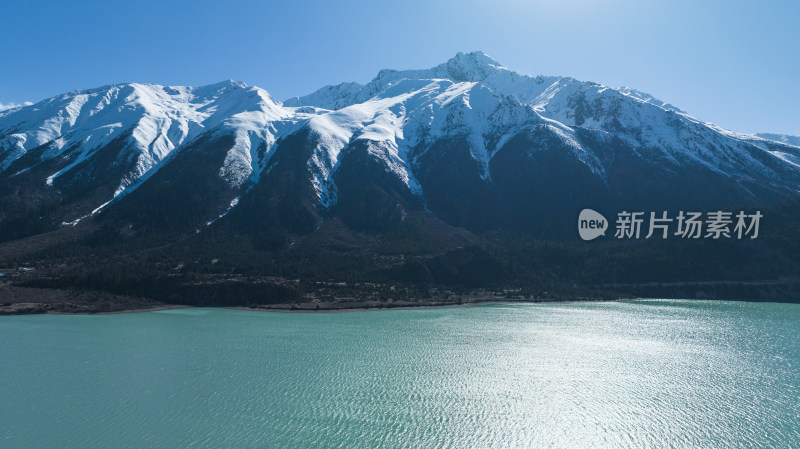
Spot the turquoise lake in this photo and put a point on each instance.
(655, 374)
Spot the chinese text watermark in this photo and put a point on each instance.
(685, 225)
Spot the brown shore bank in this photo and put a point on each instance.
(16, 300)
(31, 293)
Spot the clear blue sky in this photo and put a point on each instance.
(733, 63)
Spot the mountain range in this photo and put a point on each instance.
(468, 149)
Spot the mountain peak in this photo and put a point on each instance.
(228, 83)
(466, 140)
(223, 86)
(472, 67)
(473, 59)
(475, 66)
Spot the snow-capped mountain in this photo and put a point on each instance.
(469, 142)
(82, 150)
(151, 120)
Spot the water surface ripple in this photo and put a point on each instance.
(656, 374)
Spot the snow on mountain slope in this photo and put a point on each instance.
(656, 130)
(257, 121)
(406, 118)
(782, 146)
(154, 120)
(329, 97)
(156, 116)
(419, 126)
(380, 119)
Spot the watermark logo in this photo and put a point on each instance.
(686, 225)
(591, 224)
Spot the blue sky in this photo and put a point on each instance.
(733, 63)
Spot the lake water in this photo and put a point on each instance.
(572, 375)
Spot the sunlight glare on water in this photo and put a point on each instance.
(659, 373)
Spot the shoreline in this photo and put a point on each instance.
(42, 309)
(34, 308)
(373, 308)
(17, 300)
(118, 312)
